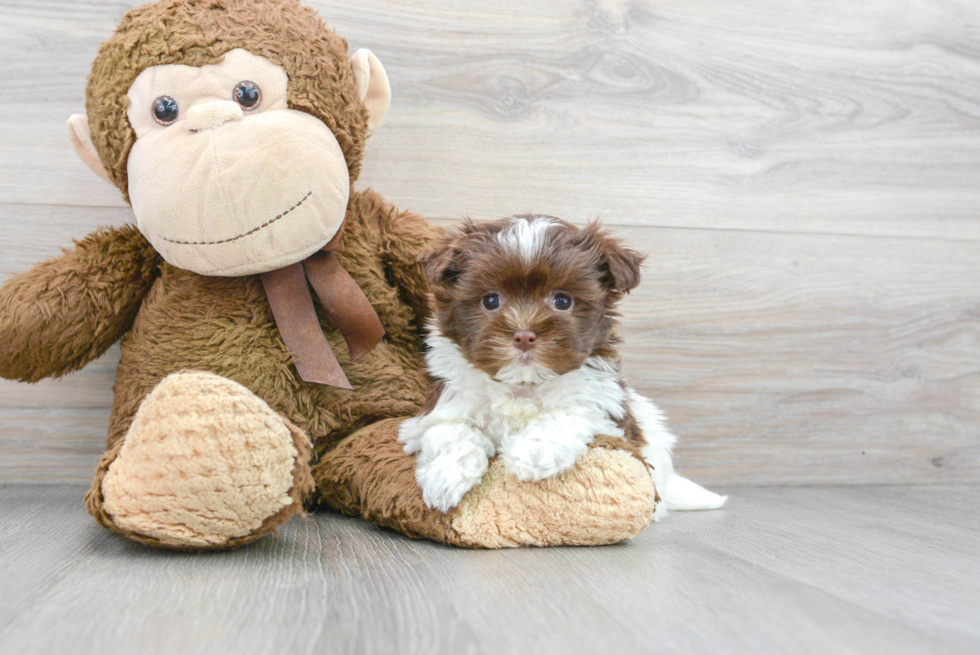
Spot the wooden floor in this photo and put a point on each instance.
(805, 570)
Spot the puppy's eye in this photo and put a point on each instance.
(165, 110)
(247, 94)
(491, 301)
(562, 302)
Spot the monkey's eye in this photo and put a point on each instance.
(491, 301)
(247, 94)
(562, 302)
(165, 110)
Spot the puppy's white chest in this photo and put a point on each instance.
(512, 415)
(520, 409)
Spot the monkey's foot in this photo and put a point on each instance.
(608, 496)
(206, 464)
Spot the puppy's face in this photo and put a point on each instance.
(527, 298)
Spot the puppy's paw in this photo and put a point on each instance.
(410, 435)
(448, 476)
(452, 460)
(539, 455)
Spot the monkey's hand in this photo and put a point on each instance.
(67, 311)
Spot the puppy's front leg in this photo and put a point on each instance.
(452, 460)
(549, 445)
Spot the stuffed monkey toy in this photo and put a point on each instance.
(270, 315)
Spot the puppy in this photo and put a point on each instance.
(522, 347)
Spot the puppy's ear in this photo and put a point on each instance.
(619, 265)
(442, 267)
(445, 264)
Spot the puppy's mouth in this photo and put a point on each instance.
(526, 358)
(525, 369)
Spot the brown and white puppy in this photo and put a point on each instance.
(523, 350)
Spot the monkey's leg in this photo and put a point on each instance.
(607, 497)
(205, 464)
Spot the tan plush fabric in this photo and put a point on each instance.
(249, 191)
(606, 498)
(372, 86)
(205, 461)
(80, 136)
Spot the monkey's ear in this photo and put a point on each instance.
(372, 86)
(81, 141)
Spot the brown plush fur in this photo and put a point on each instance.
(66, 312)
(369, 475)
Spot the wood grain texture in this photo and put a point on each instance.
(806, 570)
(804, 175)
(831, 359)
(793, 116)
(779, 359)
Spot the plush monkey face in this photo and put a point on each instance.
(229, 169)
(224, 178)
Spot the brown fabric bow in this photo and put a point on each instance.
(347, 307)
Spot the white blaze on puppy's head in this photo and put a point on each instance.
(526, 236)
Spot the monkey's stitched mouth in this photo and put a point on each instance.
(244, 234)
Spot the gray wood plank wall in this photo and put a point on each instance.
(804, 175)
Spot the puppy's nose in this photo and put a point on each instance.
(525, 340)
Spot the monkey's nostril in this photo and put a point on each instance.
(525, 339)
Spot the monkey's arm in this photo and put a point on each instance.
(67, 311)
(404, 237)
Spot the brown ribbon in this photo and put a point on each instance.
(346, 306)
